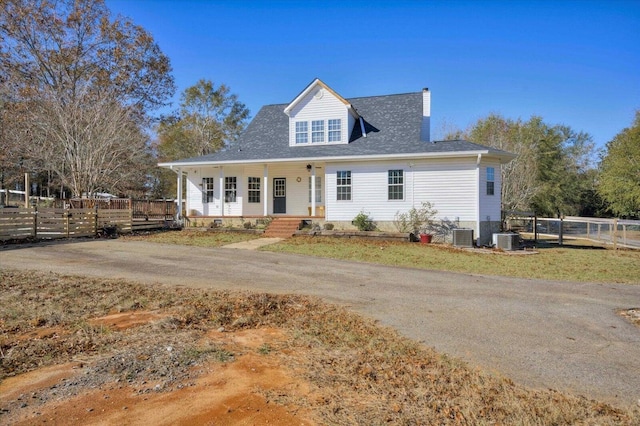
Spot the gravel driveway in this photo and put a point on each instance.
(543, 334)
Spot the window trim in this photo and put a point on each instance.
(395, 181)
(316, 132)
(208, 192)
(254, 190)
(346, 185)
(334, 126)
(230, 189)
(302, 132)
(491, 183)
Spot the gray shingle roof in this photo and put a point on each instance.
(392, 125)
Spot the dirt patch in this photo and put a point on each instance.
(230, 393)
(187, 356)
(632, 315)
(125, 320)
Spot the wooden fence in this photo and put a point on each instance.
(51, 223)
(142, 209)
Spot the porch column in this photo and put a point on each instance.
(313, 190)
(179, 195)
(265, 190)
(222, 192)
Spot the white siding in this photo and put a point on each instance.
(312, 108)
(195, 207)
(490, 204)
(448, 184)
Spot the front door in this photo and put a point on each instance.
(279, 195)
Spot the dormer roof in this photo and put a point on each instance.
(313, 85)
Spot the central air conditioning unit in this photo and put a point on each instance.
(506, 242)
(463, 237)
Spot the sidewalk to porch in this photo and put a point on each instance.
(253, 244)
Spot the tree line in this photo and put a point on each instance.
(557, 171)
(80, 91)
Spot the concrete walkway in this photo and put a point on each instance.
(253, 244)
(544, 334)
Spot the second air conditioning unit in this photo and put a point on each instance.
(463, 237)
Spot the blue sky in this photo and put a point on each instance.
(570, 62)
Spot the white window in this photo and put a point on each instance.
(343, 185)
(335, 130)
(317, 131)
(230, 189)
(253, 187)
(318, 189)
(207, 190)
(302, 132)
(491, 172)
(396, 185)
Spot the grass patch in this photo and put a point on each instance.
(552, 263)
(359, 373)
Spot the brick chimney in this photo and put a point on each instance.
(425, 129)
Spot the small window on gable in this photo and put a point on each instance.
(302, 132)
(491, 180)
(335, 130)
(207, 190)
(317, 131)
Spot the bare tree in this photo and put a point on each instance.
(87, 84)
(93, 143)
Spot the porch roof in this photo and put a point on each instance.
(392, 126)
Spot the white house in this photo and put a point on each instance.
(329, 158)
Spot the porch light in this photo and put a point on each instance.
(308, 167)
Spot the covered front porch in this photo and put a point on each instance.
(252, 191)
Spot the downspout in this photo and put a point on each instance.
(478, 161)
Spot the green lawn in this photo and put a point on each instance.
(575, 263)
(581, 264)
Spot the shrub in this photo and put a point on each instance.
(363, 222)
(417, 221)
(328, 226)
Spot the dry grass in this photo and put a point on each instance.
(359, 373)
(195, 237)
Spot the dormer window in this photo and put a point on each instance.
(322, 131)
(317, 131)
(335, 131)
(302, 135)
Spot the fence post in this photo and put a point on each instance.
(560, 232)
(95, 222)
(615, 233)
(35, 221)
(67, 222)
